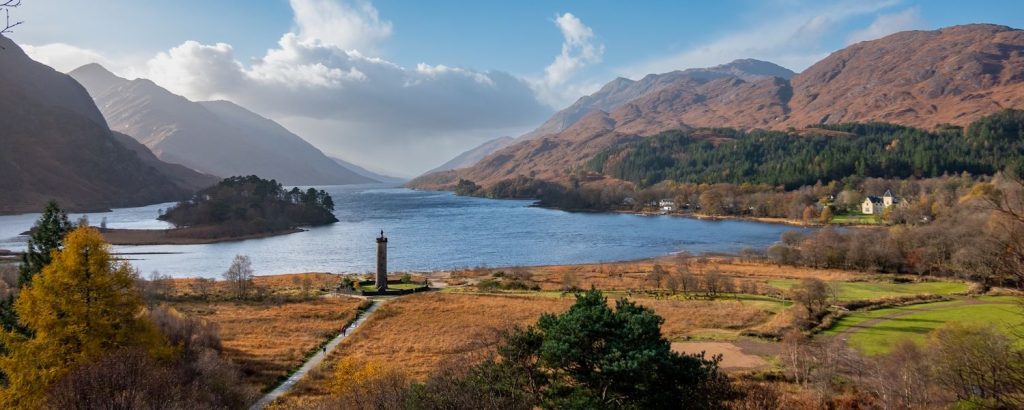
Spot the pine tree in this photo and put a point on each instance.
(47, 236)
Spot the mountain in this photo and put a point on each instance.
(367, 173)
(214, 137)
(623, 90)
(474, 155)
(56, 145)
(918, 78)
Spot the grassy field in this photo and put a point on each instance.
(854, 219)
(373, 288)
(876, 332)
(417, 333)
(268, 340)
(876, 290)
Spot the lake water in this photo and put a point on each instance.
(429, 231)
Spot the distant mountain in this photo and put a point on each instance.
(214, 137)
(622, 90)
(919, 78)
(474, 155)
(367, 173)
(56, 145)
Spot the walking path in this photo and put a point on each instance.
(314, 361)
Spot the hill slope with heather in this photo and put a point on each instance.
(216, 137)
(56, 145)
(922, 79)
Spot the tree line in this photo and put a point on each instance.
(823, 153)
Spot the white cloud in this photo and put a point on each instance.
(792, 40)
(347, 102)
(887, 24)
(579, 50)
(350, 27)
(64, 57)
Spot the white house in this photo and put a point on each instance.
(667, 205)
(874, 205)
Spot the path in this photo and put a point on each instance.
(314, 361)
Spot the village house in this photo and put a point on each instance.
(874, 205)
(667, 205)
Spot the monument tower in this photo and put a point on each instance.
(382, 262)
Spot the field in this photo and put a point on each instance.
(418, 333)
(854, 219)
(878, 331)
(268, 340)
(875, 290)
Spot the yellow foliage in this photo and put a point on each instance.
(351, 372)
(80, 306)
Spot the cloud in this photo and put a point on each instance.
(64, 57)
(350, 27)
(792, 40)
(406, 118)
(579, 50)
(887, 24)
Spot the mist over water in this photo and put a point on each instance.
(428, 231)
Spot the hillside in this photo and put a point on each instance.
(474, 155)
(214, 137)
(367, 173)
(56, 145)
(953, 75)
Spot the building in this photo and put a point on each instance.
(875, 205)
(667, 205)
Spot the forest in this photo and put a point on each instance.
(822, 153)
(250, 205)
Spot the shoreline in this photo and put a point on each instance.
(138, 237)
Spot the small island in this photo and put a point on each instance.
(236, 208)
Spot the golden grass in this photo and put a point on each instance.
(269, 340)
(417, 333)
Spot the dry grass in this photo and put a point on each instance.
(269, 340)
(634, 274)
(417, 333)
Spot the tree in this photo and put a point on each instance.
(47, 236)
(239, 276)
(826, 215)
(82, 305)
(7, 5)
(978, 364)
(595, 357)
(812, 293)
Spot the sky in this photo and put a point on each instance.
(403, 86)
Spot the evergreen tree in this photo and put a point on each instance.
(47, 236)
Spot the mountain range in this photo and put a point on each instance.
(57, 145)
(214, 137)
(923, 79)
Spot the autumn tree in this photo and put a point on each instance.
(812, 293)
(82, 305)
(239, 276)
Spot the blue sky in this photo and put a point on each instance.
(524, 59)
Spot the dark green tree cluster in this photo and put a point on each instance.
(46, 236)
(838, 152)
(249, 205)
(590, 357)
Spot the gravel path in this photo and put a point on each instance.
(314, 361)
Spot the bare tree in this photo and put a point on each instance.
(6, 6)
(240, 275)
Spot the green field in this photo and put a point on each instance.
(876, 290)
(854, 219)
(916, 321)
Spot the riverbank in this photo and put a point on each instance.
(182, 236)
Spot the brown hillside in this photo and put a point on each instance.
(919, 78)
